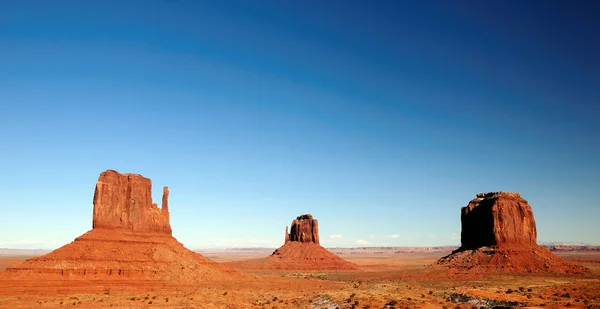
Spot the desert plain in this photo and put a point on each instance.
(130, 259)
(385, 278)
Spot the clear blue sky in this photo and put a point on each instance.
(381, 118)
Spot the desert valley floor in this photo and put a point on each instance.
(385, 278)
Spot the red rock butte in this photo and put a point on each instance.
(498, 233)
(301, 251)
(125, 201)
(130, 237)
(304, 229)
(497, 219)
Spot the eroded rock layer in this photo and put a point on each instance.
(121, 253)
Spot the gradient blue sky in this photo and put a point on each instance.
(381, 118)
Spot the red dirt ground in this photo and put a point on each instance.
(381, 281)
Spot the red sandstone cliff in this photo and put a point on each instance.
(304, 229)
(125, 201)
(497, 219)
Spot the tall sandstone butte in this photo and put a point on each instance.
(301, 251)
(125, 201)
(497, 219)
(304, 229)
(499, 234)
(130, 238)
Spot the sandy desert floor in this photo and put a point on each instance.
(401, 280)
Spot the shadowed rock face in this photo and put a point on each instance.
(303, 229)
(125, 201)
(497, 219)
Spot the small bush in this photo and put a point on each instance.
(509, 291)
(150, 303)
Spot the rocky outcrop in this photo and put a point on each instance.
(499, 235)
(125, 201)
(301, 251)
(287, 236)
(304, 229)
(497, 219)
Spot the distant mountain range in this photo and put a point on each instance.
(573, 243)
(22, 252)
(550, 245)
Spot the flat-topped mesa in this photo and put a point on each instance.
(497, 219)
(125, 201)
(304, 229)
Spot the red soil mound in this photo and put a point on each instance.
(120, 253)
(517, 259)
(131, 238)
(296, 256)
(499, 234)
(299, 255)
